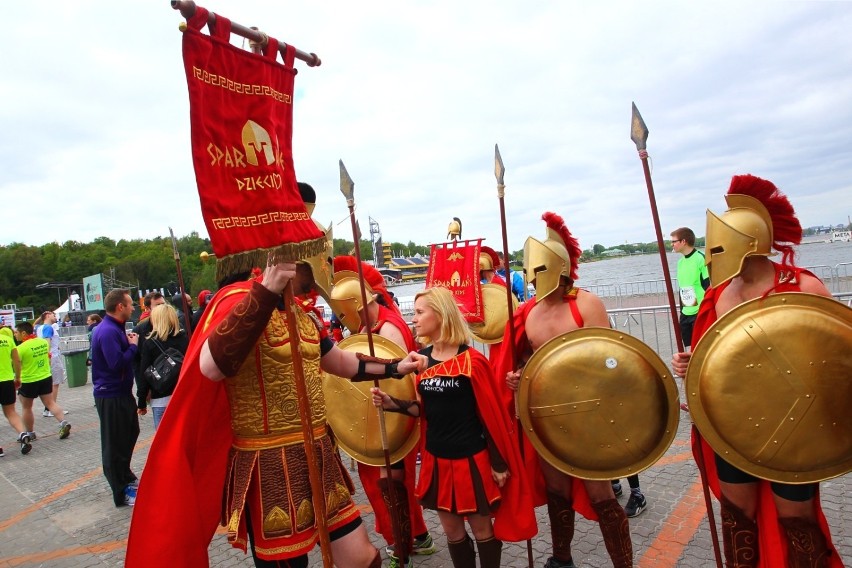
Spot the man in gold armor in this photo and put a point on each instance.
(234, 438)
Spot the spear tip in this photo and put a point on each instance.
(347, 186)
(499, 169)
(638, 130)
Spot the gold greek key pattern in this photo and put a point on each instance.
(235, 221)
(216, 80)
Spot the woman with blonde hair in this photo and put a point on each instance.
(165, 333)
(470, 467)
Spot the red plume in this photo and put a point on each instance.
(785, 225)
(556, 223)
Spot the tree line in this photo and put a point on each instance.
(149, 264)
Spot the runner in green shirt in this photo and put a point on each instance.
(31, 362)
(7, 390)
(692, 280)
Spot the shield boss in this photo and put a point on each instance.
(598, 404)
(770, 387)
(354, 419)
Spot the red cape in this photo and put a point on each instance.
(514, 519)
(179, 502)
(370, 475)
(773, 542)
(508, 362)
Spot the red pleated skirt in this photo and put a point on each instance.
(459, 486)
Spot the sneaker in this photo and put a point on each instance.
(129, 496)
(134, 484)
(616, 488)
(397, 563)
(66, 411)
(554, 563)
(46, 413)
(635, 505)
(424, 546)
(64, 430)
(32, 436)
(2, 454)
(26, 446)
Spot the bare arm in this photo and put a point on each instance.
(592, 309)
(813, 285)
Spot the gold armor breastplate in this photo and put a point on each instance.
(262, 395)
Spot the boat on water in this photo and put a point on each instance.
(840, 237)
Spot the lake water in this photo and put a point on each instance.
(821, 257)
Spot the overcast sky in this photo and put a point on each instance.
(412, 96)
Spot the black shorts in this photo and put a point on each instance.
(7, 393)
(730, 474)
(36, 389)
(686, 325)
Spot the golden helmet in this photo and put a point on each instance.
(545, 263)
(322, 264)
(744, 230)
(488, 259)
(345, 299)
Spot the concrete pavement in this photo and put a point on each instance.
(56, 509)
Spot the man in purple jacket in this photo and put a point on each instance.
(113, 350)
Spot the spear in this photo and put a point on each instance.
(499, 170)
(639, 135)
(347, 188)
(187, 313)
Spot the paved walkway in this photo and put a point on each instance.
(56, 509)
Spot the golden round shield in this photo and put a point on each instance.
(598, 404)
(354, 419)
(770, 387)
(495, 314)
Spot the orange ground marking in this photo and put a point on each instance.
(39, 557)
(64, 490)
(677, 530)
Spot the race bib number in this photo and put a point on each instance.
(687, 296)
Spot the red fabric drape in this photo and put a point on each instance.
(241, 114)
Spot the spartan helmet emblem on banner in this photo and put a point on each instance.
(256, 141)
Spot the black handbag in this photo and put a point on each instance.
(163, 373)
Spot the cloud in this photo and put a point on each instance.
(413, 99)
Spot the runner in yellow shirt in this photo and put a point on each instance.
(7, 389)
(31, 363)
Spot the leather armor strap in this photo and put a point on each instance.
(236, 335)
(616, 532)
(400, 496)
(363, 375)
(404, 406)
(806, 545)
(739, 536)
(561, 513)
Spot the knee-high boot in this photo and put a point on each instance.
(616, 532)
(561, 513)
(462, 553)
(739, 536)
(490, 552)
(400, 495)
(806, 545)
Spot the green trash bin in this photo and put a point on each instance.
(75, 367)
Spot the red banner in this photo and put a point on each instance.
(241, 111)
(455, 266)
